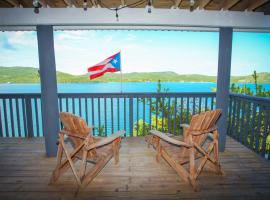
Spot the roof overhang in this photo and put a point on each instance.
(132, 18)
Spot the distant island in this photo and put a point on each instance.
(31, 75)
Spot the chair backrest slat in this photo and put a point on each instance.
(205, 120)
(202, 122)
(74, 125)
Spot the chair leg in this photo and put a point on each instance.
(63, 165)
(83, 165)
(194, 185)
(56, 172)
(153, 141)
(148, 140)
(216, 156)
(180, 170)
(192, 169)
(203, 162)
(70, 161)
(95, 170)
(217, 163)
(116, 144)
(192, 163)
(159, 150)
(187, 139)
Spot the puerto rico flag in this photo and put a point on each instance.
(111, 64)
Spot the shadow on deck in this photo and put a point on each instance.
(25, 172)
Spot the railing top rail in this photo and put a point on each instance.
(139, 94)
(259, 100)
(19, 95)
(126, 94)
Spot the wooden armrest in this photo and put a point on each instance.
(169, 134)
(184, 125)
(169, 139)
(106, 140)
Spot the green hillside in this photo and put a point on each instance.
(31, 75)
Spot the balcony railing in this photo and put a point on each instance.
(248, 121)
(108, 112)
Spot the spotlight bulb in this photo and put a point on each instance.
(149, 6)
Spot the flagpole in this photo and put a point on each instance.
(121, 81)
(121, 74)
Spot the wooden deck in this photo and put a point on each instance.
(25, 173)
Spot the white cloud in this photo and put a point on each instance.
(73, 35)
(138, 54)
(21, 38)
(108, 39)
(131, 37)
(145, 51)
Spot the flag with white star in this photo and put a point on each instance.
(111, 64)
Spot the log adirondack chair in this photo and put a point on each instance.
(198, 146)
(87, 148)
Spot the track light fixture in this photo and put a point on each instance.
(191, 4)
(85, 5)
(131, 5)
(36, 5)
(149, 6)
(116, 14)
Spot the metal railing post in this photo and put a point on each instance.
(131, 116)
(29, 117)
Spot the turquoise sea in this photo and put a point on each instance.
(116, 87)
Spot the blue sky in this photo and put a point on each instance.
(142, 51)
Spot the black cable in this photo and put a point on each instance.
(132, 5)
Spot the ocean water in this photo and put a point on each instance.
(116, 87)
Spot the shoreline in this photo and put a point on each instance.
(96, 82)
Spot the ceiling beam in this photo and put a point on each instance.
(131, 17)
(14, 3)
(228, 4)
(256, 4)
(119, 27)
(204, 3)
(177, 3)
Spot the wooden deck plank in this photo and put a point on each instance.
(25, 173)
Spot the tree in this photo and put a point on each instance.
(255, 77)
(258, 119)
(259, 90)
(163, 117)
